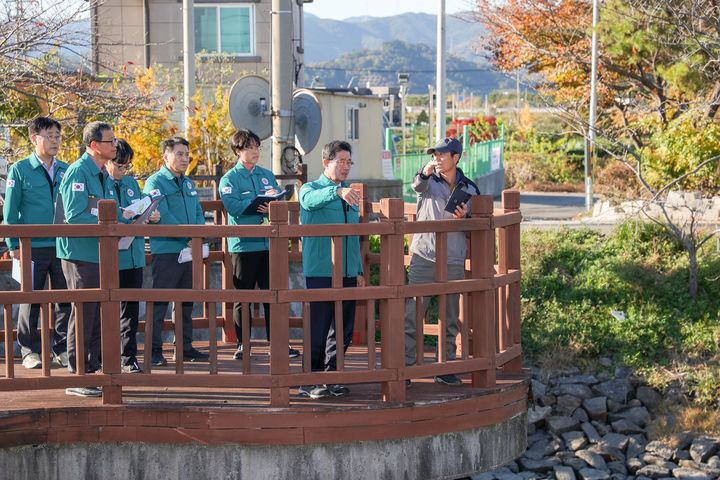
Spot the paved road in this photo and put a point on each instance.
(549, 206)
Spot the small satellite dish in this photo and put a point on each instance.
(308, 120)
(248, 105)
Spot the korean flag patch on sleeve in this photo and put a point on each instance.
(10, 183)
(226, 190)
(155, 193)
(78, 187)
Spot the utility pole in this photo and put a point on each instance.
(281, 81)
(440, 119)
(431, 110)
(188, 62)
(403, 78)
(517, 97)
(590, 149)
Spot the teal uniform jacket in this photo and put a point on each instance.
(81, 183)
(30, 197)
(238, 188)
(180, 206)
(133, 257)
(319, 203)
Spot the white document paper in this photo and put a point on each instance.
(138, 206)
(387, 168)
(186, 253)
(17, 271)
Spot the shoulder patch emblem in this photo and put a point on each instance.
(265, 181)
(189, 185)
(10, 183)
(62, 174)
(227, 190)
(130, 192)
(155, 193)
(78, 187)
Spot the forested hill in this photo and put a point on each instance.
(380, 67)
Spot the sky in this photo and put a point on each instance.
(342, 9)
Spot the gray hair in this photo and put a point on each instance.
(93, 132)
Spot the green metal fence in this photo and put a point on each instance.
(477, 160)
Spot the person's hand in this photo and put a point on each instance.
(154, 217)
(15, 254)
(350, 195)
(264, 208)
(461, 211)
(429, 167)
(360, 281)
(272, 191)
(127, 214)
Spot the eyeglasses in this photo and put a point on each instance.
(114, 141)
(254, 147)
(123, 166)
(344, 163)
(54, 138)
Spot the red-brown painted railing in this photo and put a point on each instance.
(490, 315)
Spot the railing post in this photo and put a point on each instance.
(392, 310)
(482, 304)
(279, 312)
(360, 335)
(109, 310)
(511, 245)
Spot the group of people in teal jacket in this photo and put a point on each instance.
(43, 190)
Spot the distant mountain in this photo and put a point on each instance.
(363, 66)
(326, 39)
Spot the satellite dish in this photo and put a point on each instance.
(308, 120)
(248, 102)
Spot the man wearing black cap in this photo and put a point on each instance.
(434, 184)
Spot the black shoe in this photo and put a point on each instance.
(338, 390)
(238, 353)
(193, 355)
(450, 380)
(94, 369)
(158, 360)
(294, 353)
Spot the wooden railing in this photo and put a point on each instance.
(489, 335)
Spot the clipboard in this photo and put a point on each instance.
(59, 216)
(125, 242)
(457, 197)
(252, 209)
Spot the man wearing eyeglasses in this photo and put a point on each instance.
(433, 185)
(329, 199)
(32, 187)
(179, 206)
(84, 184)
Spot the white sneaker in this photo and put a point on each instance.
(32, 360)
(61, 359)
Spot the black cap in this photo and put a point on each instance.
(447, 145)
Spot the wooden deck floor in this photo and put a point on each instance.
(242, 415)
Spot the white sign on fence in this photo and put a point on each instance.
(387, 167)
(495, 156)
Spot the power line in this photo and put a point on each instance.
(379, 70)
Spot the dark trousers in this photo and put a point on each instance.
(129, 278)
(249, 269)
(322, 325)
(168, 273)
(80, 275)
(46, 264)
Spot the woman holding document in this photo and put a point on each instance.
(239, 189)
(132, 260)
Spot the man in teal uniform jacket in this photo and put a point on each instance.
(330, 200)
(32, 187)
(132, 260)
(179, 206)
(249, 256)
(84, 184)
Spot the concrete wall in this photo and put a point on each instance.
(367, 149)
(492, 183)
(450, 455)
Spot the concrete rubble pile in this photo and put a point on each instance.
(595, 427)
